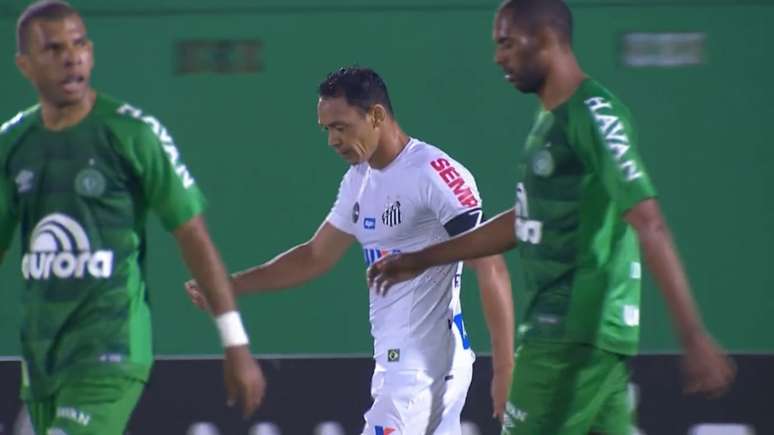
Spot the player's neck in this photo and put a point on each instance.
(60, 117)
(564, 78)
(390, 145)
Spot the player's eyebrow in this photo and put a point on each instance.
(53, 45)
(333, 124)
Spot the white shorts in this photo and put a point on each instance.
(411, 402)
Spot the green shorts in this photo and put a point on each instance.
(568, 389)
(89, 406)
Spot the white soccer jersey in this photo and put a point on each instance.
(416, 201)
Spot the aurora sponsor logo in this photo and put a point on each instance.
(59, 247)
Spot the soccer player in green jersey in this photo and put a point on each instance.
(79, 173)
(585, 208)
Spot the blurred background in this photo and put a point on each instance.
(235, 82)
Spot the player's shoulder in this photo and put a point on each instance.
(438, 168)
(593, 99)
(420, 152)
(354, 175)
(14, 128)
(356, 171)
(19, 121)
(433, 161)
(427, 157)
(127, 120)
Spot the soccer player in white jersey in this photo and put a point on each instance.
(400, 194)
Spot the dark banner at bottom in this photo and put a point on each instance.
(329, 397)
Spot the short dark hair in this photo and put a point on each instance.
(535, 15)
(40, 10)
(361, 87)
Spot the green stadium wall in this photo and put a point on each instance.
(253, 144)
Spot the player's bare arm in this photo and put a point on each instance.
(707, 368)
(243, 377)
(297, 265)
(205, 264)
(293, 267)
(497, 302)
(494, 237)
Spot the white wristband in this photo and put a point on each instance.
(232, 332)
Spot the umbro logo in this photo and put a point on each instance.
(24, 180)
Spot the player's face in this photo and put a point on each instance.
(519, 55)
(354, 135)
(59, 60)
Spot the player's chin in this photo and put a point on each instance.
(352, 158)
(63, 99)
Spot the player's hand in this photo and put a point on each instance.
(501, 384)
(196, 295)
(244, 379)
(706, 367)
(390, 270)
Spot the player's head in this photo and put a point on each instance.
(54, 52)
(526, 34)
(354, 107)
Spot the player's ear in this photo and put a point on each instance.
(378, 115)
(90, 43)
(23, 63)
(546, 39)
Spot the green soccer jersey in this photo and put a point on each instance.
(580, 172)
(81, 197)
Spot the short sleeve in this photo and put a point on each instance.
(451, 191)
(8, 209)
(169, 188)
(8, 215)
(345, 211)
(607, 140)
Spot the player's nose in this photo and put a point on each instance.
(332, 138)
(334, 142)
(498, 58)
